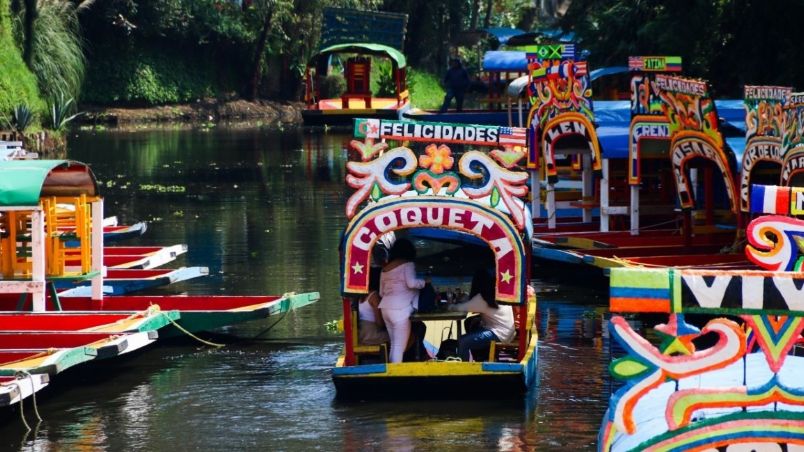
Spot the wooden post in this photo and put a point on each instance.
(38, 259)
(97, 249)
(604, 197)
(550, 205)
(634, 210)
(587, 190)
(535, 194)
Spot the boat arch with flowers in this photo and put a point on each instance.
(438, 180)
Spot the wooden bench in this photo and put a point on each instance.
(509, 351)
(361, 350)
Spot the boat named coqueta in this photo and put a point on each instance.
(461, 184)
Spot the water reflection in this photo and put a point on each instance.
(264, 210)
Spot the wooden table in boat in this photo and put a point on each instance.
(455, 316)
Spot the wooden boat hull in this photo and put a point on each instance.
(345, 116)
(124, 281)
(14, 389)
(436, 379)
(197, 313)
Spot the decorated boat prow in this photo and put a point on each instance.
(743, 387)
(439, 181)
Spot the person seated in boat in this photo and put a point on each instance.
(399, 293)
(371, 326)
(496, 321)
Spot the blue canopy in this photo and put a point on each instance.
(505, 60)
(503, 34)
(733, 112)
(605, 71)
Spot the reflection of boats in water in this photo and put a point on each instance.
(475, 194)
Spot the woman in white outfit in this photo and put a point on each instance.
(399, 290)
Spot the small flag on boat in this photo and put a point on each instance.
(777, 200)
(513, 136)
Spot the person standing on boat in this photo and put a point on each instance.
(496, 322)
(456, 81)
(399, 290)
(371, 330)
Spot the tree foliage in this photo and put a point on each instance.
(728, 42)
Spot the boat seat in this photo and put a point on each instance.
(358, 73)
(372, 353)
(509, 351)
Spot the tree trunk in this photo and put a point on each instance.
(475, 15)
(28, 27)
(487, 19)
(256, 68)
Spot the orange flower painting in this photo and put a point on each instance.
(438, 158)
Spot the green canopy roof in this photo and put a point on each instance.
(362, 47)
(23, 182)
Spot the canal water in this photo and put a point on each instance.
(263, 209)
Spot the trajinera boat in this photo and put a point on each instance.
(360, 45)
(438, 180)
(733, 384)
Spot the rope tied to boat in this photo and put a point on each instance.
(185, 331)
(29, 376)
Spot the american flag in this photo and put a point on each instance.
(513, 136)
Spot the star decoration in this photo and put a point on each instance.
(357, 268)
(506, 276)
(677, 336)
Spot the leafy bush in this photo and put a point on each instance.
(382, 78)
(332, 86)
(59, 111)
(425, 89)
(147, 77)
(57, 59)
(21, 118)
(17, 83)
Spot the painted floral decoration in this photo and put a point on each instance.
(438, 158)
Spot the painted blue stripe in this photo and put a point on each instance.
(552, 254)
(359, 370)
(757, 199)
(638, 292)
(502, 367)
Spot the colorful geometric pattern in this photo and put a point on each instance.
(764, 121)
(776, 243)
(793, 138)
(460, 215)
(694, 132)
(557, 88)
(722, 395)
(648, 120)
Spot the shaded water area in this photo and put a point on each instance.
(264, 211)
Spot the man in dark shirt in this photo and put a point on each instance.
(456, 81)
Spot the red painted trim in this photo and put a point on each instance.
(348, 333)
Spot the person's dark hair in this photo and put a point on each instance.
(374, 279)
(483, 283)
(402, 249)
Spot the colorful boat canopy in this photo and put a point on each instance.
(23, 182)
(461, 215)
(363, 48)
(793, 139)
(764, 122)
(467, 191)
(505, 61)
(343, 26)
